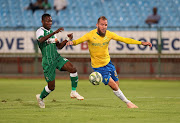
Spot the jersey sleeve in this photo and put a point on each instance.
(125, 40)
(39, 34)
(55, 38)
(82, 39)
(55, 35)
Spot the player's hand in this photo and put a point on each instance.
(59, 30)
(70, 36)
(147, 44)
(69, 43)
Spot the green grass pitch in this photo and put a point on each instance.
(158, 101)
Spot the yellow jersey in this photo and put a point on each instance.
(98, 46)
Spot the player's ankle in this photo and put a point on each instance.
(127, 101)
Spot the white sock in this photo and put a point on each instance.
(120, 95)
(73, 74)
(47, 89)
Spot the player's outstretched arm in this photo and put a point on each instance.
(146, 44)
(62, 44)
(48, 36)
(78, 41)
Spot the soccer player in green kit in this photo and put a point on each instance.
(52, 60)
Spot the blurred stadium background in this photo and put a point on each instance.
(20, 56)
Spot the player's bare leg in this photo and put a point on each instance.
(119, 94)
(46, 91)
(74, 80)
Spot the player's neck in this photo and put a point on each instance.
(100, 34)
(46, 28)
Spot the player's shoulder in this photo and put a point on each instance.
(93, 31)
(109, 32)
(39, 29)
(90, 33)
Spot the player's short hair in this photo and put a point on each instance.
(102, 17)
(45, 15)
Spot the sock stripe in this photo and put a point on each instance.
(47, 89)
(120, 95)
(73, 74)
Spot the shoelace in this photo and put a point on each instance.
(77, 94)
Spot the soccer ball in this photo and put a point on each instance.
(95, 78)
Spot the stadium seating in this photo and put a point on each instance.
(84, 13)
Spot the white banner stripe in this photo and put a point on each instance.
(23, 42)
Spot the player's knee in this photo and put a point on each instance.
(73, 70)
(52, 88)
(117, 82)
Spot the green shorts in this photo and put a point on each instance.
(50, 70)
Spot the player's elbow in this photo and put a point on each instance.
(59, 46)
(40, 40)
(73, 70)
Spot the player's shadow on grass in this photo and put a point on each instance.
(92, 105)
(28, 104)
(77, 104)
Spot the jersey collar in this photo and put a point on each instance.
(44, 29)
(97, 32)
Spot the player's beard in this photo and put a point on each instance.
(101, 33)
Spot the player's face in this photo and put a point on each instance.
(102, 26)
(47, 22)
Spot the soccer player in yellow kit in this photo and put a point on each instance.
(98, 41)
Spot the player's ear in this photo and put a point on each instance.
(97, 25)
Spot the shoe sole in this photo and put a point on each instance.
(76, 98)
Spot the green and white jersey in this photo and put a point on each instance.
(48, 47)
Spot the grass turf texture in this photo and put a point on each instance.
(158, 101)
